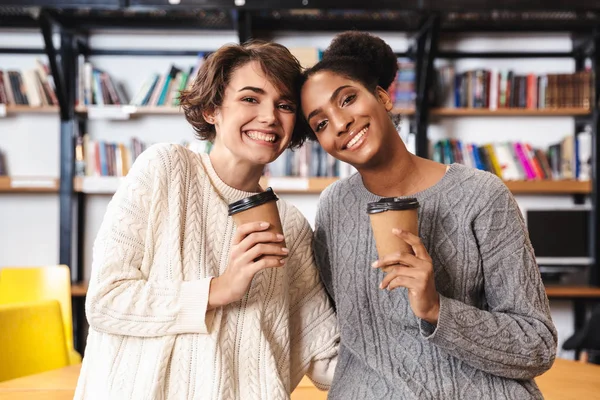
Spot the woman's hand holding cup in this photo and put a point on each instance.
(414, 272)
(253, 249)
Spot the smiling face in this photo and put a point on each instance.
(255, 122)
(351, 123)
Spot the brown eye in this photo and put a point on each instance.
(348, 99)
(287, 107)
(320, 125)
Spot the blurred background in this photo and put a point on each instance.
(85, 86)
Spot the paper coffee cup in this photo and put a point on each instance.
(259, 207)
(389, 213)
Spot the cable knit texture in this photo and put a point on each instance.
(494, 333)
(165, 234)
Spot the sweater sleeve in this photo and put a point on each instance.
(314, 336)
(321, 245)
(514, 337)
(121, 299)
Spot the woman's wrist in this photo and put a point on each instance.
(434, 313)
(218, 295)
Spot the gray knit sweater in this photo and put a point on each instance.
(494, 332)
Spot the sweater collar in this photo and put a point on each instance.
(229, 194)
(451, 177)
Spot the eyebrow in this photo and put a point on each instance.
(253, 89)
(335, 93)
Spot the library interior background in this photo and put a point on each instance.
(87, 86)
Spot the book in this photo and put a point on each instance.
(492, 89)
(519, 160)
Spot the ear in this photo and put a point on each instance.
(384, 98)
(209, 116)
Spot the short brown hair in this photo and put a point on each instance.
(208, 89)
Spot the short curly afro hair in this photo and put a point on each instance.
(360, 56)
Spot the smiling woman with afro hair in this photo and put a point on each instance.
(463, 314)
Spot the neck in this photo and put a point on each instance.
(401, 173)
(239, 174)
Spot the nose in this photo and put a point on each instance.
(341, 122)
(267, 114)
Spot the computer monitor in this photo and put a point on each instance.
(560, 236)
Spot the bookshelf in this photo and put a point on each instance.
(28, 184)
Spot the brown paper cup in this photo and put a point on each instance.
(389, 213)
(260, 207)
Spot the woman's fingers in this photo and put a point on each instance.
(265, 249)
(397, 258)
(255, 238)
(415, 242)
(406, 274)
(245, 229)
(399, 281)
(265, 262)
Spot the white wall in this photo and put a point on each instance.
(29, 223)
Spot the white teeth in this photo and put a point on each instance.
(265, 137)
(356, 138)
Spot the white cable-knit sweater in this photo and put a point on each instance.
(165, 234)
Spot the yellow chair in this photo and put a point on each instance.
(32, 339)
(18, 285)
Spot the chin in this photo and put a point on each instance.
(262, 159)
(360, 159)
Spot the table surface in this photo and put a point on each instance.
(566, 380)
(553, 292)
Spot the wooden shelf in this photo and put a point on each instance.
(28, 184)
(126, 111)
(79, 289)
(507, 112)
(570, 292)
(159, 111)
(404, 111)
(501, 112)
(549, 187)
(440, 112)
(97, 184)
(17, 109)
